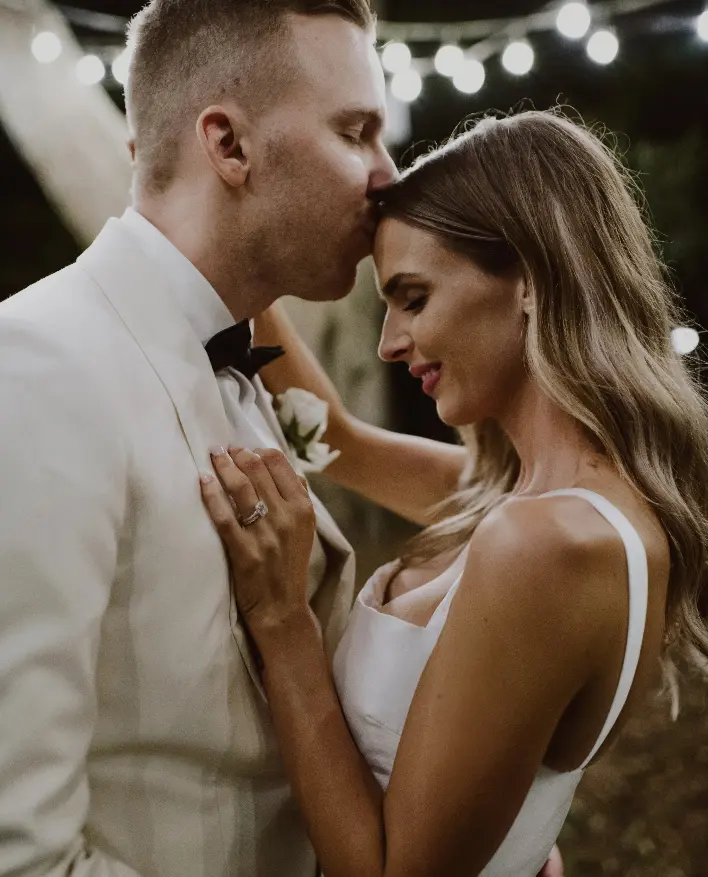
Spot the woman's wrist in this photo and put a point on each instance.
(277, 634)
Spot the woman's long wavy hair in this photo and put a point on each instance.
(538, 192)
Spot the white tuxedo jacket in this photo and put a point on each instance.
(134, 734)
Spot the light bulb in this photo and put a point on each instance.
(406, 85)
(603, 47)
(684, 340)
(90, 70)
(470, 77)
(396, 57)
(46, 47)
(702, 26)
(120, 67)
(518, 58)
(573, 20)
(449, 59)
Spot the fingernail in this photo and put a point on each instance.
(234, 450)
(217, 451)
(206, 478)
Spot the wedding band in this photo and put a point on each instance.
(260, 511)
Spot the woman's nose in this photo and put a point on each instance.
(395, 344)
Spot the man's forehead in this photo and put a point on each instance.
(339, 60)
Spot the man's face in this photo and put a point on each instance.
(321, 161)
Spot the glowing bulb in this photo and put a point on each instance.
(120, 66)
(573, 20)
(449, 59)
(518, 58)
(406, 85)
(46, 47)
(90, 70)
(396, 57)
(470, 77)
(684, 340)
(702, 26)
(603, 47)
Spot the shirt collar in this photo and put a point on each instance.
(200, 303)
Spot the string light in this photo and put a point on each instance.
(684, 340)
(46, 47)
(90, 70)
(407, 85)
(396, 57)
(449, 59)
(518, 58)
(603, 47)
(573, 20)
(469, 79)
(702, 26)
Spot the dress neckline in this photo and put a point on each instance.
(370, 600)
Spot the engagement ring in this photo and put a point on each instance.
(260, 511)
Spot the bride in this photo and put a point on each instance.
(563, 557)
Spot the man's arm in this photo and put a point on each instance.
(62, 476)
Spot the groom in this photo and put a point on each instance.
(134, 735)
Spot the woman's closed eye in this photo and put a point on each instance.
(417, 304)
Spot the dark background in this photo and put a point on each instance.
(644, 811)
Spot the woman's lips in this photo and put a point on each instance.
(429, 374)
(431, 380)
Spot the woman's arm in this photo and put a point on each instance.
(484, 712)
(373, 462)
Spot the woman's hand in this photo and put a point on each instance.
(269, 557)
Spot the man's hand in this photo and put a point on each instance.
(554, 865)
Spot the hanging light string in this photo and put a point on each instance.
(463, 47)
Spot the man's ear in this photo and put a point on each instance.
(222, 136)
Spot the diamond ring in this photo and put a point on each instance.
(260, 511)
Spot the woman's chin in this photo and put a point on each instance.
(452, 415)
(448, 414)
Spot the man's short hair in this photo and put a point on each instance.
(187, 54)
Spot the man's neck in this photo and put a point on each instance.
(223, 263)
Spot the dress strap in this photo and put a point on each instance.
(638, 575)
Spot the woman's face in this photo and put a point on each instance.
(457, 327)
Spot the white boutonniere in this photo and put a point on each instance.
(303, 418)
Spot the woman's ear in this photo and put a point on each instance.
(528, 304)
(222, 135)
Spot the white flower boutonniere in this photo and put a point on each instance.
(303, 418)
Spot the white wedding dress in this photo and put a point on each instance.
(381, 658)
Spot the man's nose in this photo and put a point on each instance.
(384, 171)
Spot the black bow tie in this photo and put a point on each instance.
(232, 349)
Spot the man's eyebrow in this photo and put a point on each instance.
(352, 115)
(393, 285)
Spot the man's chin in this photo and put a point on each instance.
(337, 289)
